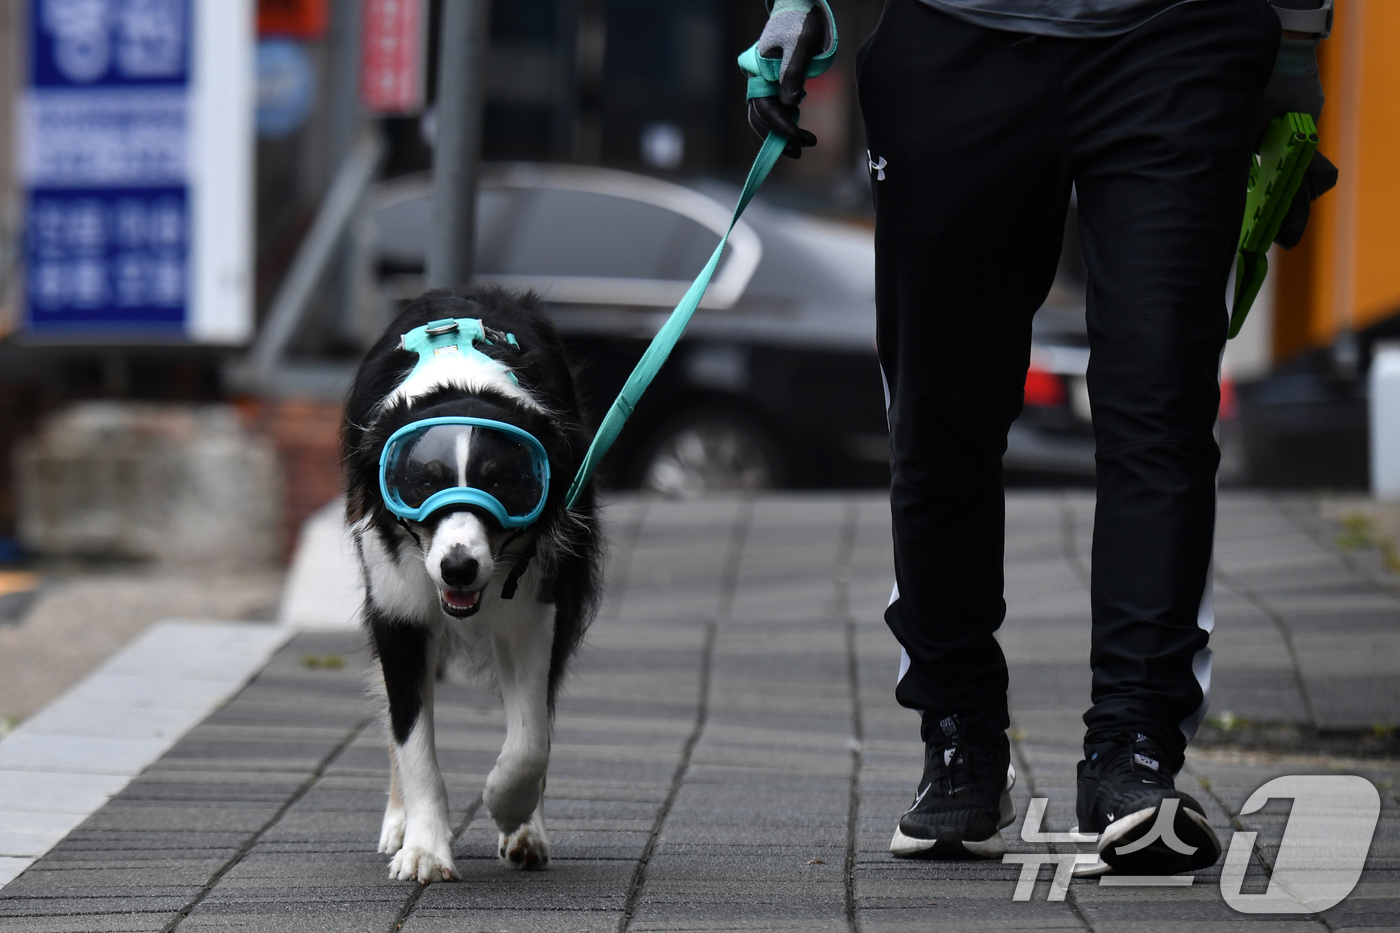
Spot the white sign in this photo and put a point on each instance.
(136, 162)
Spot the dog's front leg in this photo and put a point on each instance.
(407, 655)
(515, 787)
(391, 829)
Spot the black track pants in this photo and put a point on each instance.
(980, 134)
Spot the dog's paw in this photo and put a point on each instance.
(526, 848)
(413, 863)
(391, 832)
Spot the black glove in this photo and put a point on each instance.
(1295, 86)
(1319, 178)
(796, 32)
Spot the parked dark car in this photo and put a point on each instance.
(775, 383)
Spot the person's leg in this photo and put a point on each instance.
(1161, 125)
(970, 193)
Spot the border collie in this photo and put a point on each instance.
(459, 575)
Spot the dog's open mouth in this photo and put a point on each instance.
(461, 603)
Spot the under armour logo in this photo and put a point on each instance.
(877, 168)
(1164, 829)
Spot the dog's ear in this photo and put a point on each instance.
(383, 369)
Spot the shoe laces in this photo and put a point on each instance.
(1134, 757)
(956, 762)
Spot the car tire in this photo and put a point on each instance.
(708, 451)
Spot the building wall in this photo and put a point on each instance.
(1346, 272)
(11, 20)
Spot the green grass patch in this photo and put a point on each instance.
(329, 662)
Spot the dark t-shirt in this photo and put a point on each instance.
(1075, 19)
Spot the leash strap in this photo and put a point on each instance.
(670, 333)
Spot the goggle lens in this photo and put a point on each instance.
(448, 456)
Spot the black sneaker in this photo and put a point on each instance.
(1145, 825)
(965, 796)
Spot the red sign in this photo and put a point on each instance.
(294, 19)
(393, 56)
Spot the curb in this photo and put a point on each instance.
(71, 757)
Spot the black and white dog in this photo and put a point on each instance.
(462, 434)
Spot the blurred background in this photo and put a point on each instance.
(210, 208)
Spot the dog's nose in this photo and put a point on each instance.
(459, 569)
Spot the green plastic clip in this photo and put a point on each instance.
(1288, 146)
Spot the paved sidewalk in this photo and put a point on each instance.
(728, 754)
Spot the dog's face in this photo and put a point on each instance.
(463, 544)
(461, 548)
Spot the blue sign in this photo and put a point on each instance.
(109, 43)
(104, 160)
(286, 87)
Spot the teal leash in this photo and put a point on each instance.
(670, 333)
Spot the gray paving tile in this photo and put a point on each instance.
(1355, 702)
(517, 921)
(320, 918)
(30, 905)
(94, 875)
(89, 923)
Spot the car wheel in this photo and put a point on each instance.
(709, 452)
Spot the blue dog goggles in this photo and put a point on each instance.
(439, 462)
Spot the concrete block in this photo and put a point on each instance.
(54, 792)
(182, 484)
(11, 866)
(195, 651)
(113, 722)
(29, 834)
(146, 691)
(78, 754)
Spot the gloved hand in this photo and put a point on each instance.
(1296, 86)
(797, 32)
(1319, 178)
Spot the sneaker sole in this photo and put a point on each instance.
(902, 846)
(1090, 869)
(1190, 827)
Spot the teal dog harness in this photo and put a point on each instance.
(447, 337)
